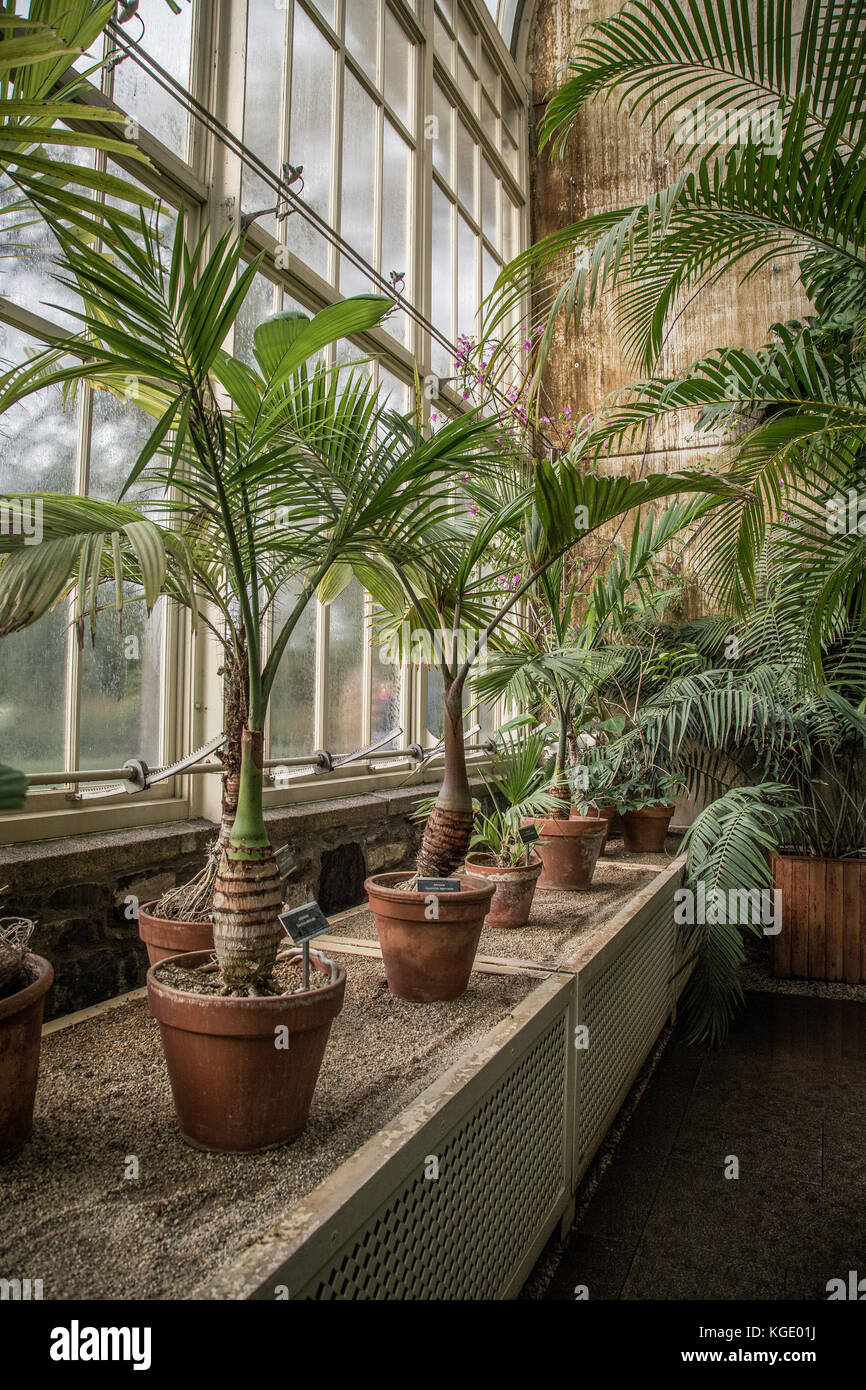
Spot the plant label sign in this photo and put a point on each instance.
(529, 834)
(303, 923)
(438, 885)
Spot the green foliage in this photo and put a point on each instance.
(515, 784)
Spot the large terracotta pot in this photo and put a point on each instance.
(645, 831)
(823, 918)
(513, 888)
(428, 957)
(570, 851)
(235, 1090)
(605, 813)
(164, 938)
(20, 1040)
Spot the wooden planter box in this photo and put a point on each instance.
(823, 934)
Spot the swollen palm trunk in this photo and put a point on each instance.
(448, 832)
(247, 896)
(560, 790)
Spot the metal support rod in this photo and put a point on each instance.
(115, 774)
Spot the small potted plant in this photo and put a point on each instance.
(25, 979)
(646, 804)
(516, 789)
(591, 797)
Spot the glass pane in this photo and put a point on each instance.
(38, 443)
(32, 695)
(266, 30)
(121, 684)
(466, 80)
(489, 202)
(466, 34)
(396, 214)
(443, 112)
(358, 200)
(467, 295)
(399, 64)
(441, 279)
(346, 670)
(38, 437)
(362, 34)
(258, 305)
(294, 692)
(443, 44)
(263, 126)
(310, 136)
(510, 111)
(119, 432)
(465, 167)
(28, 252)
(489, 121)
(510, 152)
(489, 272)
(435, 704)
(393, 393)
(384, 694)
(489, 76)
(510, 228)
(167, 38)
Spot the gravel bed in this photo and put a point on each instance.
(70, 1217)
(559, 922)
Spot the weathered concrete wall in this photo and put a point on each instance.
(77, 889)
(614, 161)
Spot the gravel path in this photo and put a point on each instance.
(70, 1217)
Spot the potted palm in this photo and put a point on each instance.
(516, 791)
(454, 604)
(256, 476)
(578, 640)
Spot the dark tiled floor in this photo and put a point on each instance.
(786, 1096)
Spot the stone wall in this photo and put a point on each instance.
(82, 890)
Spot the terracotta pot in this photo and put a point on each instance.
(20, 1040)
(606, 813)
(164, 938)
(234, 1090)
(570, 851)
(645, 831)
(428, 960)
(823, 918)
(513, 888)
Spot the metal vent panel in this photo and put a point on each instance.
(624, 1007)
(463, 1235)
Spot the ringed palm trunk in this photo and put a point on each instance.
(559, 787)
(247, 896)
(448, 832)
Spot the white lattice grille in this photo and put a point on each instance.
(463, 1235)
(624, 1007)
